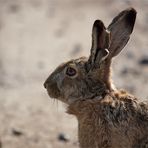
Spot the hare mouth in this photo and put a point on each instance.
(55, 94)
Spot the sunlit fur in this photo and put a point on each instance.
(107, 117)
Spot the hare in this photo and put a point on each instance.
(107, 117)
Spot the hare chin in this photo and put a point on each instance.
(53, 95)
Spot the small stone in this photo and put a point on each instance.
(63, 137)
(144, 61)
(16, 132)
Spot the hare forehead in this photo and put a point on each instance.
(78, 64)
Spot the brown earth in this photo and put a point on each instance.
(36, 36)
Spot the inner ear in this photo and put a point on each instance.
(100, 44)
(98, 34)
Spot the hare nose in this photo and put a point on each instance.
(45, 84)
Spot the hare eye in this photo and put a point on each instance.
(70, 71)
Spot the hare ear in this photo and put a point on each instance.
(121, 27)
(100, 44)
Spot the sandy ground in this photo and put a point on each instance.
(36, 36)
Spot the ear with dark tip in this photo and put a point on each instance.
(100, 43)
(121, 27)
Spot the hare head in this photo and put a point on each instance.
(87, 78)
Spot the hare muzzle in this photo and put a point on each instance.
(52, 88)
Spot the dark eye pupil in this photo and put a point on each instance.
(70, 71)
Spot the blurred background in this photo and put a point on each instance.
(35, 37)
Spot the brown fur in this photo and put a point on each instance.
(117, 120)
(107, 118)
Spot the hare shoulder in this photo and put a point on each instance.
(116, 120)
